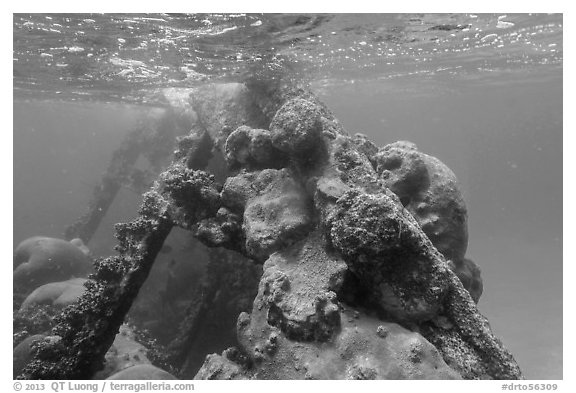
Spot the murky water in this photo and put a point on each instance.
(483, 93)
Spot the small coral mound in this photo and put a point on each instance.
(41, 260)
(57, 294)
(297, 127)
(142, 372)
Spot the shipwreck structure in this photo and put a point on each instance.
(362, 248)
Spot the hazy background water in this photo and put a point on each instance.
(492, 113)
